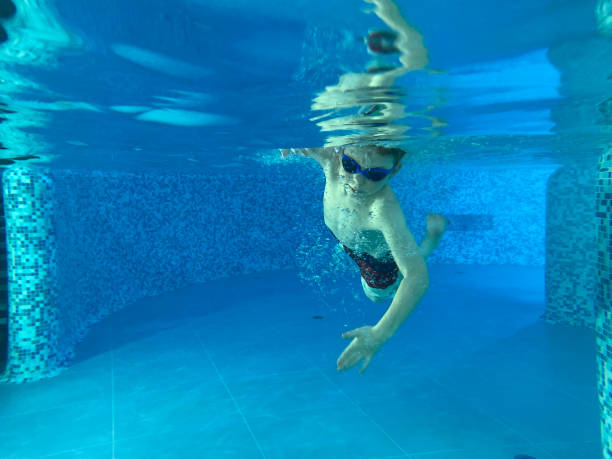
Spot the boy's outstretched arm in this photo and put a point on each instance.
(366, 341)
(321, 155)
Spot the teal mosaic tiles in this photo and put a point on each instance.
(125, 236)
(32, 301)
(571, 247)
(496, 214)
(3, 291)
(603, 323)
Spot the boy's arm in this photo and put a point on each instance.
(409, 41)
(366, 341)
(321, 155)
(409, 259)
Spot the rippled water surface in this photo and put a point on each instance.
(192, 84)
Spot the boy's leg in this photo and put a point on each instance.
(436, 224)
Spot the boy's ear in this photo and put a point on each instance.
(397, 167)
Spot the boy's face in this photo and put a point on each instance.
(367, 158)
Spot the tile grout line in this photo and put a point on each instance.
(244, 419)
(112, 443)
(356, 405)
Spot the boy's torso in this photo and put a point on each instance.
(355, 222)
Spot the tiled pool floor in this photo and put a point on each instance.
(240, 369)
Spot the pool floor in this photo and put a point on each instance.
(239, 368)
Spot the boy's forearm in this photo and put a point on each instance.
(318, 154)
(408, 295)
(427, 247)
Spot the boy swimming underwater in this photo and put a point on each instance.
(363, 213)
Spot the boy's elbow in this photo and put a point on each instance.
(419, 276)
(424, 281)
(422, 275)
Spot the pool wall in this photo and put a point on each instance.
(3, 290)
(571, 246)
(108, 239)
(603, 324)
(34, 327)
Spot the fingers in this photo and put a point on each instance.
(365, 364)
(353, 333)
(341, 363)
(348, 362)
(348, 358)
(288, 151)
(350, 334)
(355, 351)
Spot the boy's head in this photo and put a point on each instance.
(366, 169)
(396, 153)
(377, 152)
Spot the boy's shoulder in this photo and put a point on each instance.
(387, 209)
(330, 168)
(386, 200)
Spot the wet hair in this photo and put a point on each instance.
(397, 153)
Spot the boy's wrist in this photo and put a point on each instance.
(382, 332)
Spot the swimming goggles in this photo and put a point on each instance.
(375, 174)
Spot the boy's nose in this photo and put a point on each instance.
(358, 179)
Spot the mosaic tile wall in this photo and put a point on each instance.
(32, 301)
(571, 246)
(3, 290)
(496, 214)
(124, 236)
(603, 323)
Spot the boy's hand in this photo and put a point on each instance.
(364, 345)
(294, 151)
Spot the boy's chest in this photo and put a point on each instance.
(355, 226)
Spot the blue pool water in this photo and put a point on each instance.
(198, 301)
